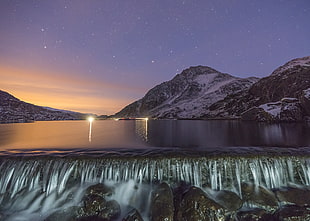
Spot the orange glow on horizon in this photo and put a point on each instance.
(63, 92)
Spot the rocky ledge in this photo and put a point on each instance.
(285, 110)
(190, 203)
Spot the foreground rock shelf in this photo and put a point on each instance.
(192, 203)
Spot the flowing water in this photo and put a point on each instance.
(46, 166)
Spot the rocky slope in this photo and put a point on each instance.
(15, 110)
(288, 81)
(187, 95)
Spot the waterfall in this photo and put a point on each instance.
(44, 181)
(227, 173)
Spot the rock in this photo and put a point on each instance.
(99, 190)
(196, 205)
(133, 215)
(255, 214)
(259, 196)
(178, 194)
(305, 101)
(252, 114)
(111, 211)
(93, 204)
(291, 111)
(292, 195)
(293, 213)
(67, 214)
(229, 200)
(162, 207)
(97, 206)
(90, 218)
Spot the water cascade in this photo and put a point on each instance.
(39, 186)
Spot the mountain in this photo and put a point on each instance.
(15, 110)
(292, 80)
(188, 95)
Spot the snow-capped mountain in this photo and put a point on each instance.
(15, 110)
(288, 81)
(187, 95)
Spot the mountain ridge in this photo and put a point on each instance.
(187, 95)
(13, 109)
(287, 81)
(203, 92)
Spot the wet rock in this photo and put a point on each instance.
(67, 214)
(305, 101)
(292, 195)
(196, 205)
(162, 207)
(178, 194)
(255, 214)
(133, 215)
(90, 218)
(2, 216)
(97, 206)
(111, 211)
(229, 200)
(93, 204)
(293, 213)
(259, 196)
(99, 190)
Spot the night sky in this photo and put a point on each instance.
(100, 55)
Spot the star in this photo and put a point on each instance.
(153, 61)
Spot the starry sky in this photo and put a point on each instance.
(96, 56)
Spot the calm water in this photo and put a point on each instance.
(140, 135)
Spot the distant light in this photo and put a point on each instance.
(90, 119)
(146, 118)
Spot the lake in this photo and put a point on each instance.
(153, 170)
(134, 136)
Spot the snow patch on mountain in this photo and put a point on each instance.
(307, 93)
(274, 109)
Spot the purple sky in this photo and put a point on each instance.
(122, 48)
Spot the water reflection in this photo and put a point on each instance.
(90, 119)
(155, 133)
(142, 129)
(167, 133)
